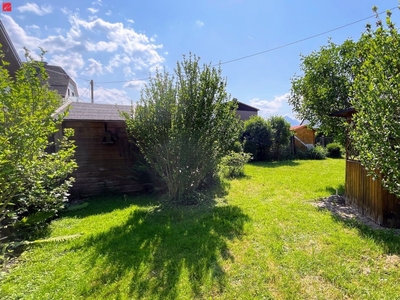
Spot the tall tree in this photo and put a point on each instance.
(324, 87)
(184, 125)
(31, 180)
(280, 135)
(376, 98)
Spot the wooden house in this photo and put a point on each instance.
(304, 137)
(103, 154)
(362, 192)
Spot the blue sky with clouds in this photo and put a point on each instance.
(125, 41)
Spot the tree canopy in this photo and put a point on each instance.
(325, 86)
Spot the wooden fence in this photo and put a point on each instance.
(369, 197)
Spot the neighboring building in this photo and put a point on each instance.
(362, 192)
(61, 82)
(104, 154)
(10, 54)
(304, 137)
(245, 111)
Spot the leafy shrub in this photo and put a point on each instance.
(318, 152)
(334, 150)
(34, 184)
(232, 165)
(257, 138)
(280, 136)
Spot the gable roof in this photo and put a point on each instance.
(84, 111)
(343, 113)
(299, 126)
(10, 54)
(58, 79)
(245, 107)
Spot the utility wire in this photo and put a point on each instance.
(79, 97)
(271, 49)
(301, 40)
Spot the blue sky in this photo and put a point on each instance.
(117, 41)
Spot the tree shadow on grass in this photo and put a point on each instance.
(158, 248)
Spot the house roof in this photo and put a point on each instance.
(58, 79)
(343, 113)
(299, 126)
(10, 54)
(84, 111)
(245, 107)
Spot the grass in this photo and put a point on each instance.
(261, 240)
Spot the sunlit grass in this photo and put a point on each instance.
(263, 239)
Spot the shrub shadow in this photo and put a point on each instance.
(159, 247)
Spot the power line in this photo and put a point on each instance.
(301, 40)
(271, 49)
(79, 97)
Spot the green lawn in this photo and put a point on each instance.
(263, 239)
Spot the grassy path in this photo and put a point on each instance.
(261, 240)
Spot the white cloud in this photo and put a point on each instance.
(270, 107)
(95, 67)
(32, 27)
(110, 96)
(34, 8)
(93, 10)
(199, 24)
(71, 62)
(108, 13)
(128, 72)
(117, 61)
(85, 47)
(101, 46)
(98, 2)
(135, 84)
(130, 21)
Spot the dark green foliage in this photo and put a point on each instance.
(32, 182)
(257, 138)
(325, 86)
(232, 165)
(280, 136)
(334, 150)
(316, 153)
(375, 133)
(184, 125)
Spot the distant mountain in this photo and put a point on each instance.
(293, 122)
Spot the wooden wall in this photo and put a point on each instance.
(369, 197)
(306, 135)
(102, 168)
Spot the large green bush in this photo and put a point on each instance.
(334, 150)
(32, 181)
(257, 138)
(184, 125)
(280, 136)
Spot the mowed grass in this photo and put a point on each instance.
(262, 239)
